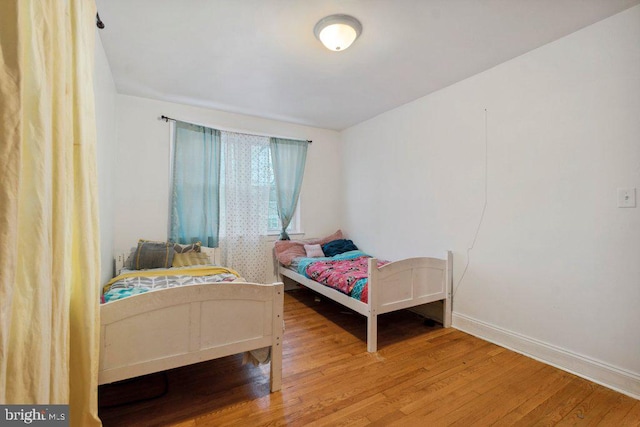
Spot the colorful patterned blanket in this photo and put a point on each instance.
(137, 282)
(347, 273)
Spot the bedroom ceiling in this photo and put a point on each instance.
(260, 57)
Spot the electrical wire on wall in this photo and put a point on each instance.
(484, 206)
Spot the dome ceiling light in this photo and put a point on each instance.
(337, 32)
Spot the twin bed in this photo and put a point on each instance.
(163, 329)
(155, 330)
(366, 285)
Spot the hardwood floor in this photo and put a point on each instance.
(421, 376)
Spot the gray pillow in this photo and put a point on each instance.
(153, 255)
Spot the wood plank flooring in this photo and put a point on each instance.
(421, 376)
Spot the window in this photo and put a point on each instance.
(239, 183)
(274, 219)
(237, 194)
(261, 176)
(262, 155)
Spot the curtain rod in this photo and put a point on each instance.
(166, 119)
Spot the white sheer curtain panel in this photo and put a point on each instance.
(246, 181)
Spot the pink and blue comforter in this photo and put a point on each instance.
(346, 272)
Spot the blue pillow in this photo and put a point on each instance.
(336, 247)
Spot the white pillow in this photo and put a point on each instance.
(313, 251)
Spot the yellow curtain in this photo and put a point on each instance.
(49, 248)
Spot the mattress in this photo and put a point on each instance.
(134, 282)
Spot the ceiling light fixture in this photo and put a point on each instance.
(337, 32)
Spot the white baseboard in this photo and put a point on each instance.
(609, 376)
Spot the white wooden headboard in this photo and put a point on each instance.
(213, 254)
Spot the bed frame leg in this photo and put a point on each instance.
(276, 368)
(372, 333)
(276, 345)
(446, 316)
(372, 318)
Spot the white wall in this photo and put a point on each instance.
(555, 271)
(142, 177)
(105, 98)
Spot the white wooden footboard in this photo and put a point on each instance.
(404, 284)
(174, 327)
(394, 286)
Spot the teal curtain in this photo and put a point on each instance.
(195, 188)
(288, 157)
